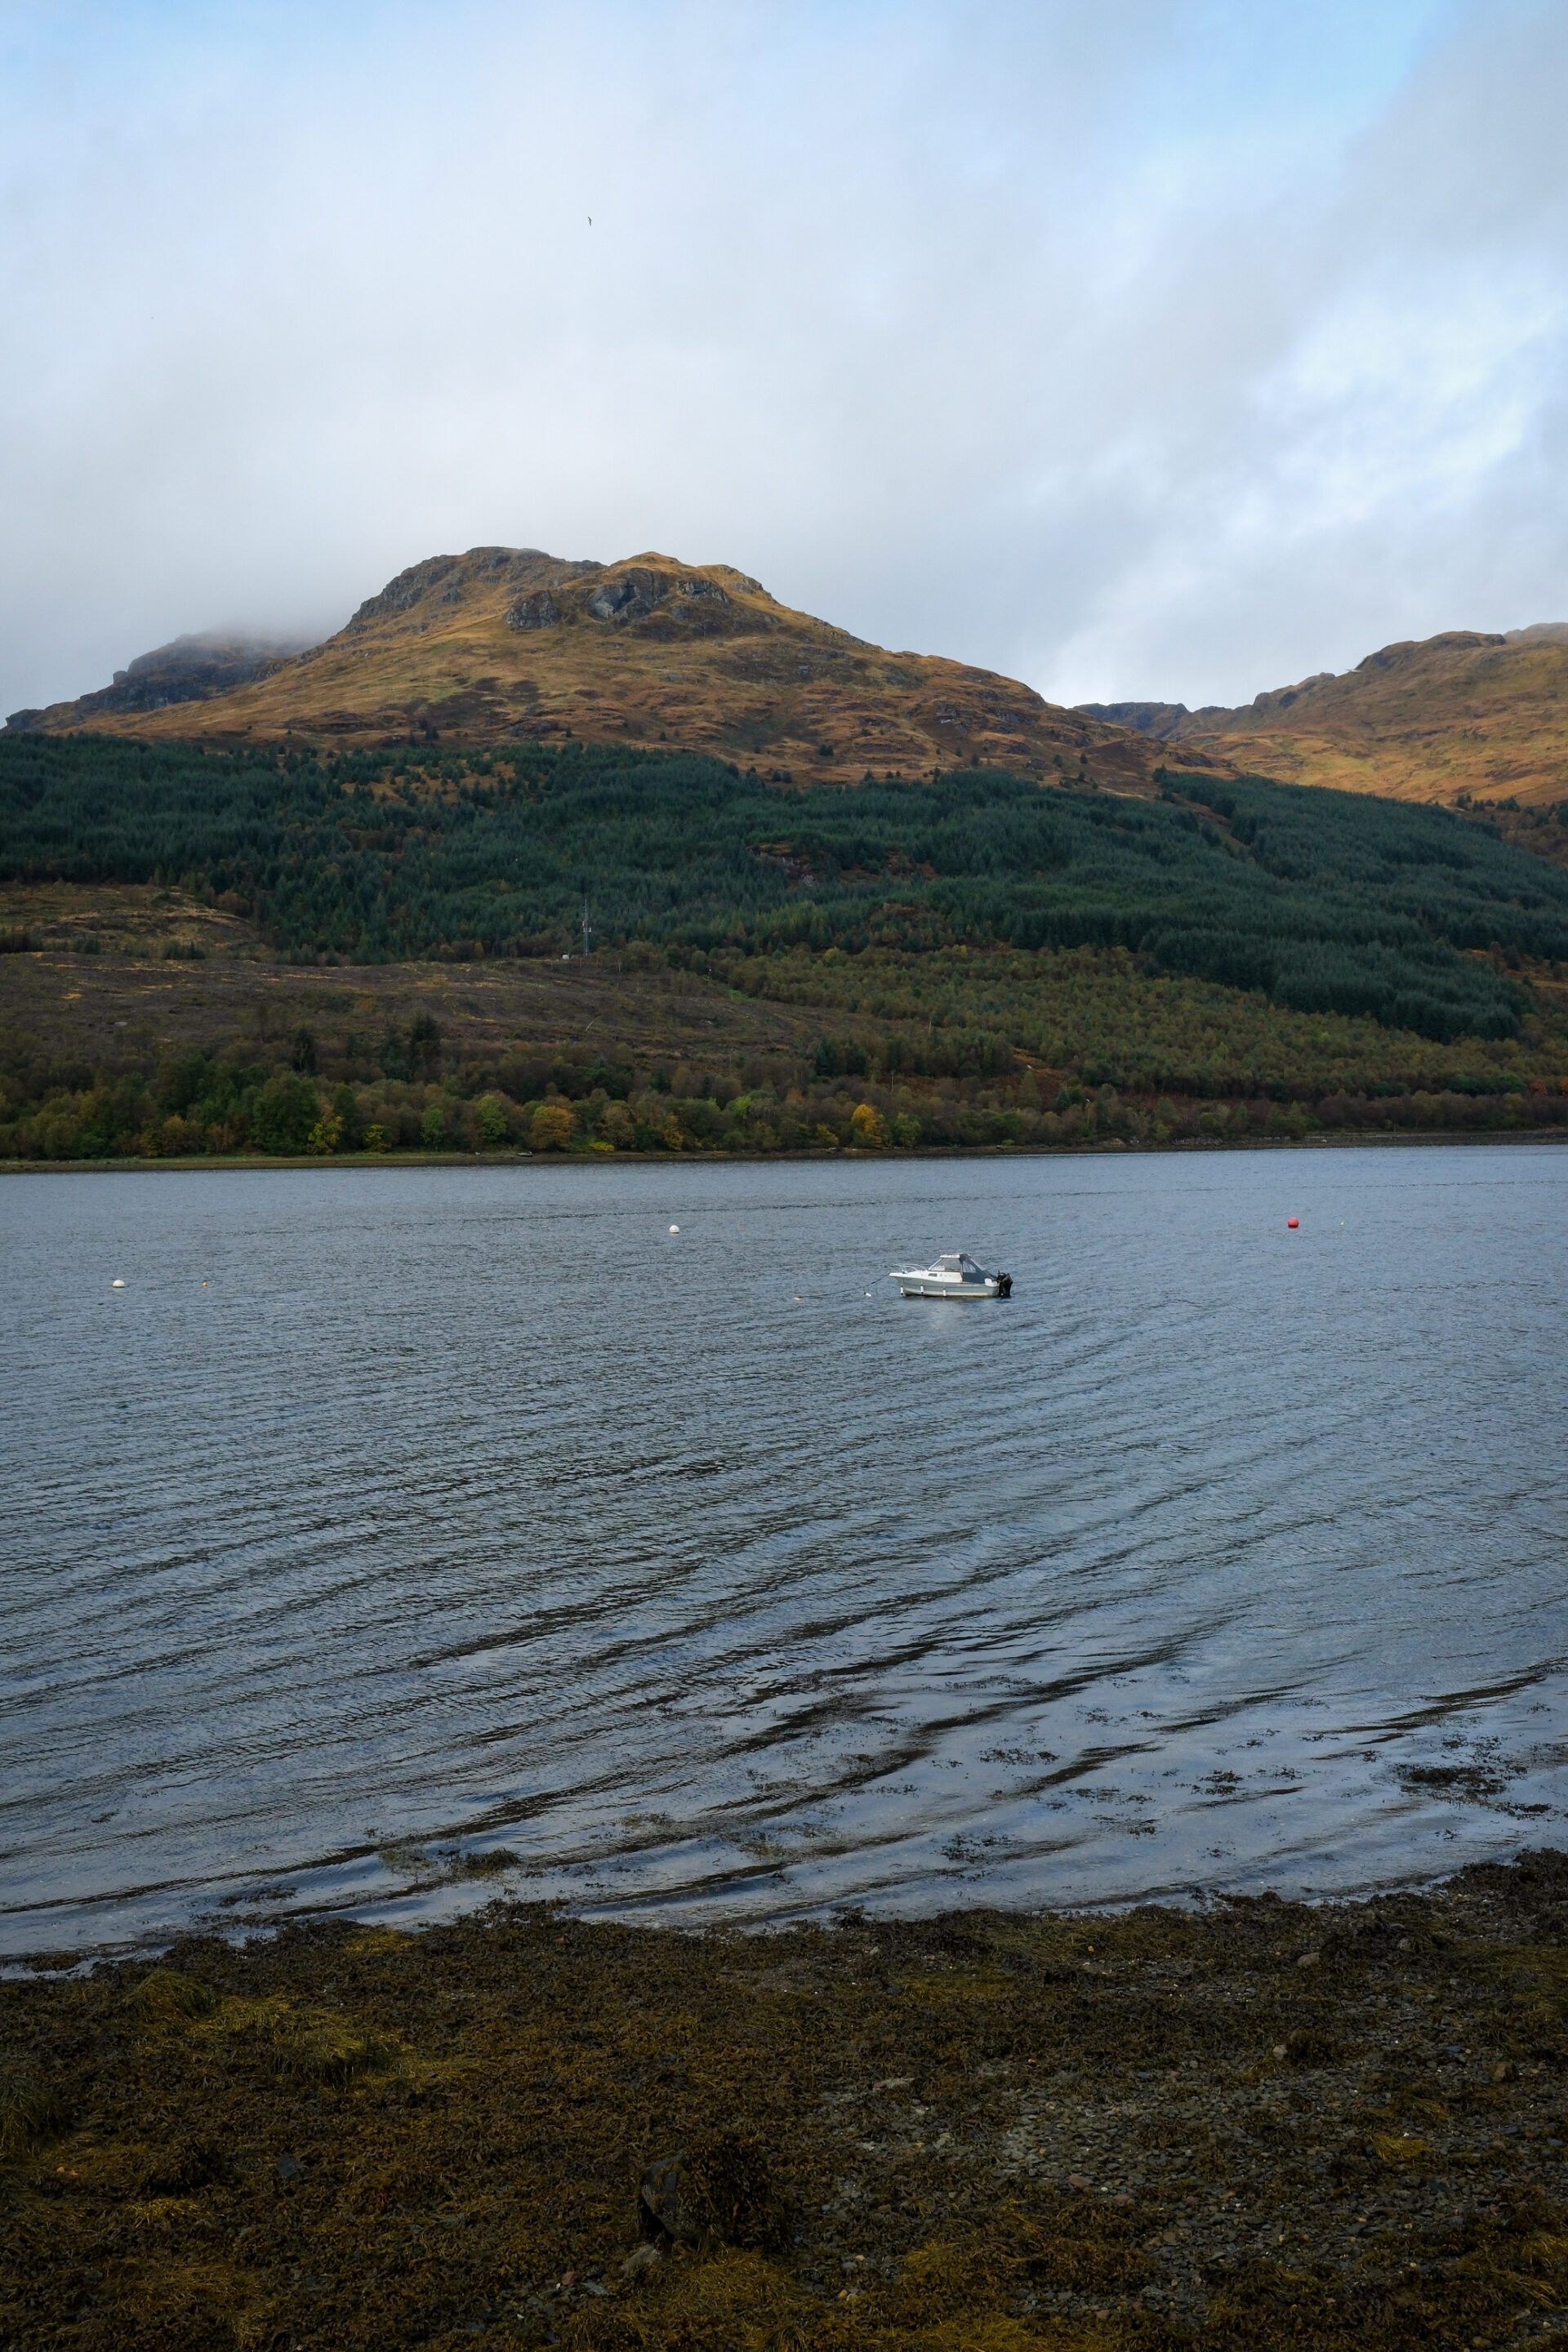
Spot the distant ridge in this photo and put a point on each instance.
(506, 643)
(187, 669)
(1483, 715)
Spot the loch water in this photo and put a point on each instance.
(399, 1538)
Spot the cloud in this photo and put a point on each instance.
(1166, 349)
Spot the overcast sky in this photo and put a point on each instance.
(1164, 348)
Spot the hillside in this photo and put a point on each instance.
(505, 645)
(272, 950)
(1464, 715)
(136, 1019)
(343, 940)
(1324, 901)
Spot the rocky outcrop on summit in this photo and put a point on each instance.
(504, 643)
(448, 577)
(539, 611)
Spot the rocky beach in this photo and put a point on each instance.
(1252, 2124)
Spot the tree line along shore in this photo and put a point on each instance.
(711, 1055)
(235, 1105)
(1336, 2127)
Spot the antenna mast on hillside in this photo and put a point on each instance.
(588, 928)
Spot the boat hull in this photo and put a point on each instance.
(921, 1285)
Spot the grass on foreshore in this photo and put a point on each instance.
(1262, 2124)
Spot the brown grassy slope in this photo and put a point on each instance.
(1463, 712)
(504, 643)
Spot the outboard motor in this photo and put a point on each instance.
(1004, 1286)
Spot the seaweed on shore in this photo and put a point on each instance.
(1259, 2125)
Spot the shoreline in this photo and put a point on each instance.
(1263, 2123)
(1114, 1148)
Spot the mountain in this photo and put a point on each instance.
(187, 669)
(1461, 715)
(510, 642)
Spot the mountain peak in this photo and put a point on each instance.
(508, 641)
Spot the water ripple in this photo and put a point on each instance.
(388, 1515)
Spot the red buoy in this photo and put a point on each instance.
(1292, 1223)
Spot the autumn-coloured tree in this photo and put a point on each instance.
(549, 1128)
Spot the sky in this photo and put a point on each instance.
(1161, 349)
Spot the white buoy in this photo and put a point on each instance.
(116, 1284)
(675, 1229)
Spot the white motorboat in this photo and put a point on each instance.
(954, 1277)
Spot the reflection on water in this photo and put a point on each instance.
(391, 1522)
